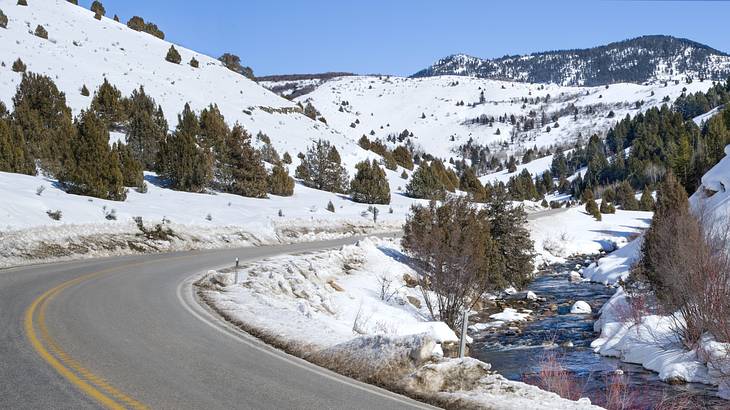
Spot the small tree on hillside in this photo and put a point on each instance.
(243, 165)
(646, 203)
(370, 186)
(19, 66)
(108, 105)
(14, 154)
(194, 63)
(425, 183)
(3, 20)
(185, 165)
(455, 254)
(98, 8)
(173, 56)
(321, 168)
(41, 32)
(280, 183)
(146, 128)
(94, 169)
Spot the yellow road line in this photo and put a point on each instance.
(91, 384)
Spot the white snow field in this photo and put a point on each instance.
(652, 342)
(359, 302)
(388, 105)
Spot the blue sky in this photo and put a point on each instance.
(401, 37)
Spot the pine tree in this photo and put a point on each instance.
(671, 205)
(44, 121)
(22, 3)
(403, 157)
(233, 63)
(280, 183)
(646, 203)
(85, 91)
(19, 66)
(213, 138)
(286, 158)
(510, 233)
(94, 169)
(194, 63)
(132, 172)
(243, 168)
(146, 128)
(370, 185)
(3, 20)
(98, 8)
(185, 165)
(425, 183)
(14, 155)
(607, 207)
(389, 161)
(321, 168)
(471, 184)
(41, 32)
(592, 209)
(173, 56)
(107, 103)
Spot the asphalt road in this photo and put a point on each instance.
(126, 332)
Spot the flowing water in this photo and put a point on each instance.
(517, 352)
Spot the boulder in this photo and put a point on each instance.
(414, 301)
(409, 280)
(581, 308)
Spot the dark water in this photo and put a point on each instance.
(518, 355)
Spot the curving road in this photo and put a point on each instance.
(125, 333)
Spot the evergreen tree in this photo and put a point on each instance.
(321, 168)
(233, 63)
(173, 56)
(19, 66)
(646, 203)
(146, 128)
(672, 204)
(41, 32)
(14, 155)
(280, 183)
(425, 183)
(98, 8)
(370, 186)
(389, 161)
(108, 105)
(94, 169)
(592, 208)
(607, 207)
(626, 197)
(512, 238)
(286, 158)
(44, 121)
(85, 91)
(242, 169)
(194, 63)
(185, 165)
(132, 171)
(403, 157)
(3, 20)
(470, 183)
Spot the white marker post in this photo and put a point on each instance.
(464, 325)
(236, 281)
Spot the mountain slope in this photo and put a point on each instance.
(83, 51)
(638, 60)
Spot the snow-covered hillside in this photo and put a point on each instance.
(83, 51)
(382, 106)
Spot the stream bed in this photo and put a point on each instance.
(516, 350)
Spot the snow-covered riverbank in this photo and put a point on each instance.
(357, 310)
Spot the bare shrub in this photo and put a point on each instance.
(618, 393)
(554, 377)
(387, 288)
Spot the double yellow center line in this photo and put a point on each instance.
(91, 384)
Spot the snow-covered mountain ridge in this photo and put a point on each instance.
(638, 60)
